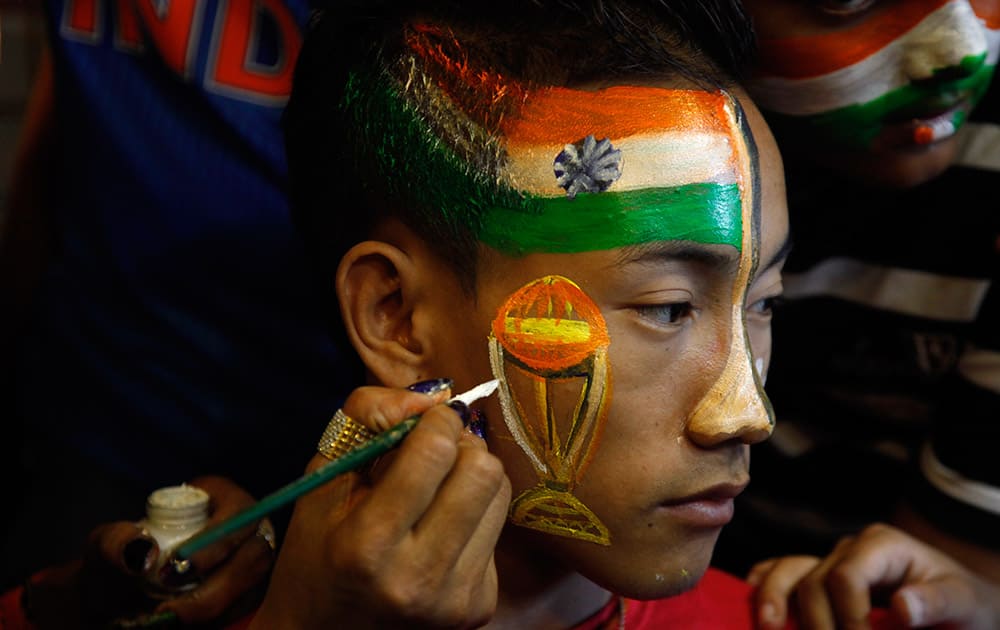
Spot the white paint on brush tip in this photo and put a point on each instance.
(479, 391)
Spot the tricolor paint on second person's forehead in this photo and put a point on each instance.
(928, 61)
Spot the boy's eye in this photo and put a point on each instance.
(666, 313)
(844, 7)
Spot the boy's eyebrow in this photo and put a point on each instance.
(674, 251)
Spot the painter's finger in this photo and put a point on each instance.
(124, 546)
(116, 556)
(476, 564)
(464, 499)
(226, 499)
(410, 483)
(380, 408)
(440, 568)
(240, 580)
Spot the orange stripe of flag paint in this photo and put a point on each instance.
(796, 58)
(989, 12)
(561, 115)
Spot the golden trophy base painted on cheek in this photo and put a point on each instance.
(559, 513)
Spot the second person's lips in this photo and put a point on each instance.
(918, 132)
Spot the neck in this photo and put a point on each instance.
(537, 590)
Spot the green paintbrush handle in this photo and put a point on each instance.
(378, 445)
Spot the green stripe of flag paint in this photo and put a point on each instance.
(858, 125)
(417, 168)
(704, 213)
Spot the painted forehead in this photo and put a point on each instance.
(921, 22)
(555, 169)
(850, 82)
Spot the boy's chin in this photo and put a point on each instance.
(661, 584)
(646, 578)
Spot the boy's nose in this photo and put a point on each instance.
(954, 49)
(735, 408)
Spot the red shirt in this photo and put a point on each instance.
(718, 602)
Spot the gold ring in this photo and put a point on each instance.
(265, 531)
(342, 435)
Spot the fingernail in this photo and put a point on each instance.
(138, 555)
(177, 574)
(767, 615)
(477, 425)
(432, 386)
(463, 411)
(162, 617)
(914, 607)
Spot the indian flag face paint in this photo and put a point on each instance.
(620, 166)
(918, 66)
(551, 169)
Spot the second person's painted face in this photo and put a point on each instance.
(895, 79)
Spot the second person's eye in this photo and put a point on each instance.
(844, 7)
(765, 307)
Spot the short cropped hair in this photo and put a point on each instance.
(355, 156)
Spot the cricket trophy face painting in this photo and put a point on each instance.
(608, 180)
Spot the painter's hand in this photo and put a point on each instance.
(233, 572)
(108, 582)
(927, 587)
(409, 545)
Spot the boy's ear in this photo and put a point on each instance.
(377, 290)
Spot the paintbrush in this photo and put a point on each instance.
(352, 460)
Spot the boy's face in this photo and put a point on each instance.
(628, 384)
(874, 88)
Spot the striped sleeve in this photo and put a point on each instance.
(960, 475)
(959, 488)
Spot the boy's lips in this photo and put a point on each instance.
(708, 508)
